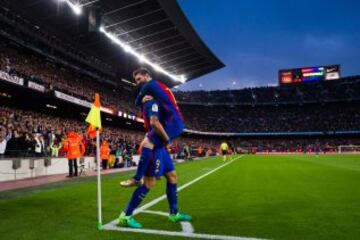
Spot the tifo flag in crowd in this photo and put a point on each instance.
(94, 118)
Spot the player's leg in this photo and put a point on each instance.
(126, 218)
(171, 189)
(147, 148)
(150, 174)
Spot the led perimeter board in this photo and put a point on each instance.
(309, 74)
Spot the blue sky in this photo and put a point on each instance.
(256, 38)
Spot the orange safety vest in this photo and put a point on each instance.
(73, 146)
(104, 151)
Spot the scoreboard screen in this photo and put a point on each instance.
(309, 74)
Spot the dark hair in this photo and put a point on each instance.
(141, 71)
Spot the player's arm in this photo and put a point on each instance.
(152, 110)
(158, 128)
(147, 89)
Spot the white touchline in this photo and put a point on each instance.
(159, 199)
(187, 227)
(165, 214)
(179, 234)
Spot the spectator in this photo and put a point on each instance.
(55, 147)
(39, 145)
(3, 141)
(104, 154)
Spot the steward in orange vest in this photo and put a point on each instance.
(74, 148)
(104, 154)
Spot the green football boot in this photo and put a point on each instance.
(180, 217)
(128, 221)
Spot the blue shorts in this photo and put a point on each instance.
(160, 164)
(172, 131)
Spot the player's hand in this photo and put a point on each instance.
(147, 98)
(167, 145)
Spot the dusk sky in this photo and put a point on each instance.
(256, 38)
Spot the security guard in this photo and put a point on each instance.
(74, 148)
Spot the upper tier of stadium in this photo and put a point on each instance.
(131, 34)
(309, 108)
(345, 89)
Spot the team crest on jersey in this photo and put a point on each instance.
(155, 107)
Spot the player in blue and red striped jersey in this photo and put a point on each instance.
(172, 119)
(163, 122)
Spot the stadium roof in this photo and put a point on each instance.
(156, 30)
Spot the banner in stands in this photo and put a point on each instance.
(13, 79)
(72, 99)
(36, 86)
(261, 134)
(87, 104)
(107, 110)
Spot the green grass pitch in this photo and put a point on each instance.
(261, 196)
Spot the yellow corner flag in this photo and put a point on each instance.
(94, 117)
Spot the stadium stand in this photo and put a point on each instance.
(56, 77)
(345, 89)
(320, 107)
(284, 118)
(32, 55)
(25, 129)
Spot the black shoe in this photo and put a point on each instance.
(69, 176)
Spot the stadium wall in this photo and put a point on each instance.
(25, 168)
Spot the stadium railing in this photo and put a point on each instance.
(31, 167)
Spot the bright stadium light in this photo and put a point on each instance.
(182, 78)
(75, 7)
(140, 57)
(157, 68)
(127, 48)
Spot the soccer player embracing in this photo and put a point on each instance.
(163, 123)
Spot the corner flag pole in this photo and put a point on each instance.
(94, 119)
(100, 226)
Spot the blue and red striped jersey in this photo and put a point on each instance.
(165, 98)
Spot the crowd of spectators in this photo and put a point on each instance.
(285, 118)
(301, 145)
(57, 77)
(211, 113)
(32, 134)
(345, 89)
